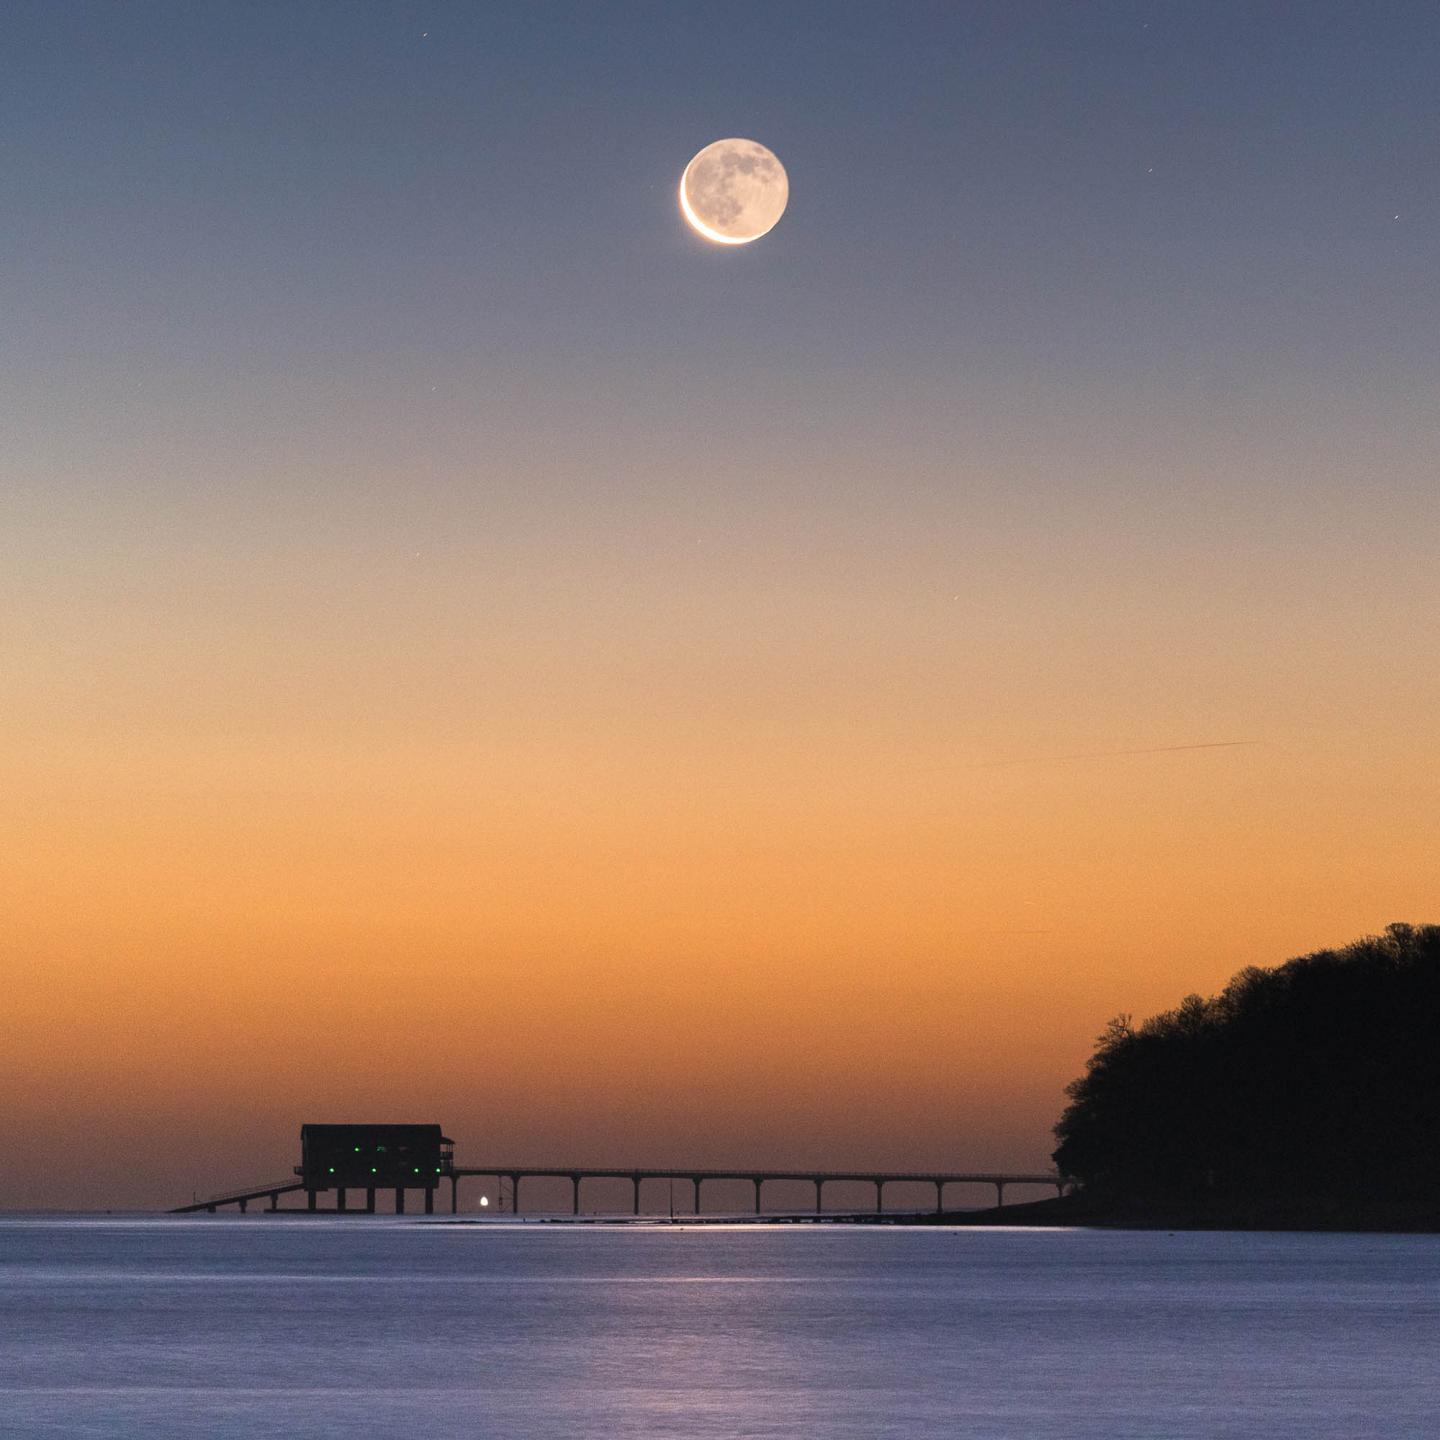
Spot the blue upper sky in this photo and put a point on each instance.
(1120, 185)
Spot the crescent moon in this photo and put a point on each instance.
(734, 191)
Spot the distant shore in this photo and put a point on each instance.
(1300, 1215)
(1071, 1211)
(1293, 1214)
(1296, 1213)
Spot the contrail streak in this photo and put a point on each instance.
(1114, 754)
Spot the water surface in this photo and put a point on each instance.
(256, 1327)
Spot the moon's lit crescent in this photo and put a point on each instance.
(734, 191)
(703, 228)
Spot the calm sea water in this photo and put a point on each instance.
(222, 1327)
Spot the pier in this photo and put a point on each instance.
(758, 1178)
(368, 1159)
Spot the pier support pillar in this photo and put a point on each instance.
(758, 1184)
(274, 1201)
(370, 1201)
(429, 1199)
(514, 1195)
(312, 1198)
(340, 1198)
(454, 1194)
(399, 1199)
(999, 1193)
(695, 1181)
(939, 1197)
(575, 1195)
(879, 1196)
(243, 1205)
(635, 1181)
(819, 1207)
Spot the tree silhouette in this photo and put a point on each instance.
(1320, 1078)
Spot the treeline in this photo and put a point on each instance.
(1319, 1078)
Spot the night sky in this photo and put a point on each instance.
(470, 650)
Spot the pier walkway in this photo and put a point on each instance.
(696, 1178)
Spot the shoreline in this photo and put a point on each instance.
(1296, 1214)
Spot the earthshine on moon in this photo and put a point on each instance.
(734, 191)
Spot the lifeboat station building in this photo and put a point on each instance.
(374, 1157)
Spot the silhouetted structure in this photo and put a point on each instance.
(696, 1178)
(373, 1157)
(1319, 1078)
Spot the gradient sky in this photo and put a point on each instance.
(472, 651)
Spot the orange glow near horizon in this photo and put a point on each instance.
(632, 854)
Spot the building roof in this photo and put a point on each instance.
(322, 1133)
